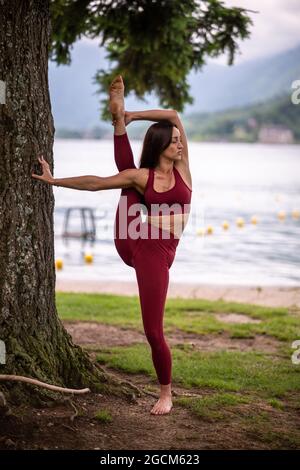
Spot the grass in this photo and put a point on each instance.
(283, 438)
(214, 406)
(224, 371)
(270, 375)
(276, 403)
(189, 315)
(104, 308)
(103, 416)
(258, 390)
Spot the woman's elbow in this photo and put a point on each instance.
(96, 184)
(174, 116)
(120, 181)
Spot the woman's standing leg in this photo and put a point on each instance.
(152, 272)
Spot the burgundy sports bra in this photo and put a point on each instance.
(175, 200)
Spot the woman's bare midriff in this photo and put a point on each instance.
(174, 223)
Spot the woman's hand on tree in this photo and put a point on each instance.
(46, 175)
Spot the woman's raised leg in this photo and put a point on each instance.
(125, 245)
(123, 152)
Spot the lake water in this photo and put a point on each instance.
(229, 181)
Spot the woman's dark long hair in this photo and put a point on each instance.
(158, 137)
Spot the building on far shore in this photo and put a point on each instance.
(275, 134)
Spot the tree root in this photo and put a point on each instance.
(75, 409)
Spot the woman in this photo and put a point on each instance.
(162, 185)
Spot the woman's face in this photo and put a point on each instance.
(174, 150)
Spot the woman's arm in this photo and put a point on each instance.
(124, 179)
(151, 115)
(85, 183)
(158, 115)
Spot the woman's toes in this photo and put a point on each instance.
(163, 406)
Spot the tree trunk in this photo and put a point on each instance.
(36, 343)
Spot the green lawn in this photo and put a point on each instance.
(252, 387)
(189, 315)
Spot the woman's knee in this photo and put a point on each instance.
(155, 338)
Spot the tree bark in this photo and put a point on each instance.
(36, 343)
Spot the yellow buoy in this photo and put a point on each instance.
(254, 220)
(281, 215)
(88, 258)
(59, 264)
(295, 214)
(209, 230)
(225, 225)
(200, 231)
(240, 222)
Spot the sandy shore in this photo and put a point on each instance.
(276, 296)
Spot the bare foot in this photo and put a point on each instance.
(163, 405)
(116, 98)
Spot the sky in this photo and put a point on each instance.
(276, 27)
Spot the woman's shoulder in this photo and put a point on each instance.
(141, 177)
(143, 172)
(184, 172)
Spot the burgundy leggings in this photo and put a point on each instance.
(151, 258)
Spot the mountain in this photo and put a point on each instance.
(76, 106)
(221, 87)
(248, 124)
(276, 120)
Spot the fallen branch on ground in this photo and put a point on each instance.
(20, 378)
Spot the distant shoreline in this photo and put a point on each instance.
(109, 137)
(272, 296)
(272, 121)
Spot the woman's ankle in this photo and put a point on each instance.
(119, 116)
(119, 128)
(165, 390)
